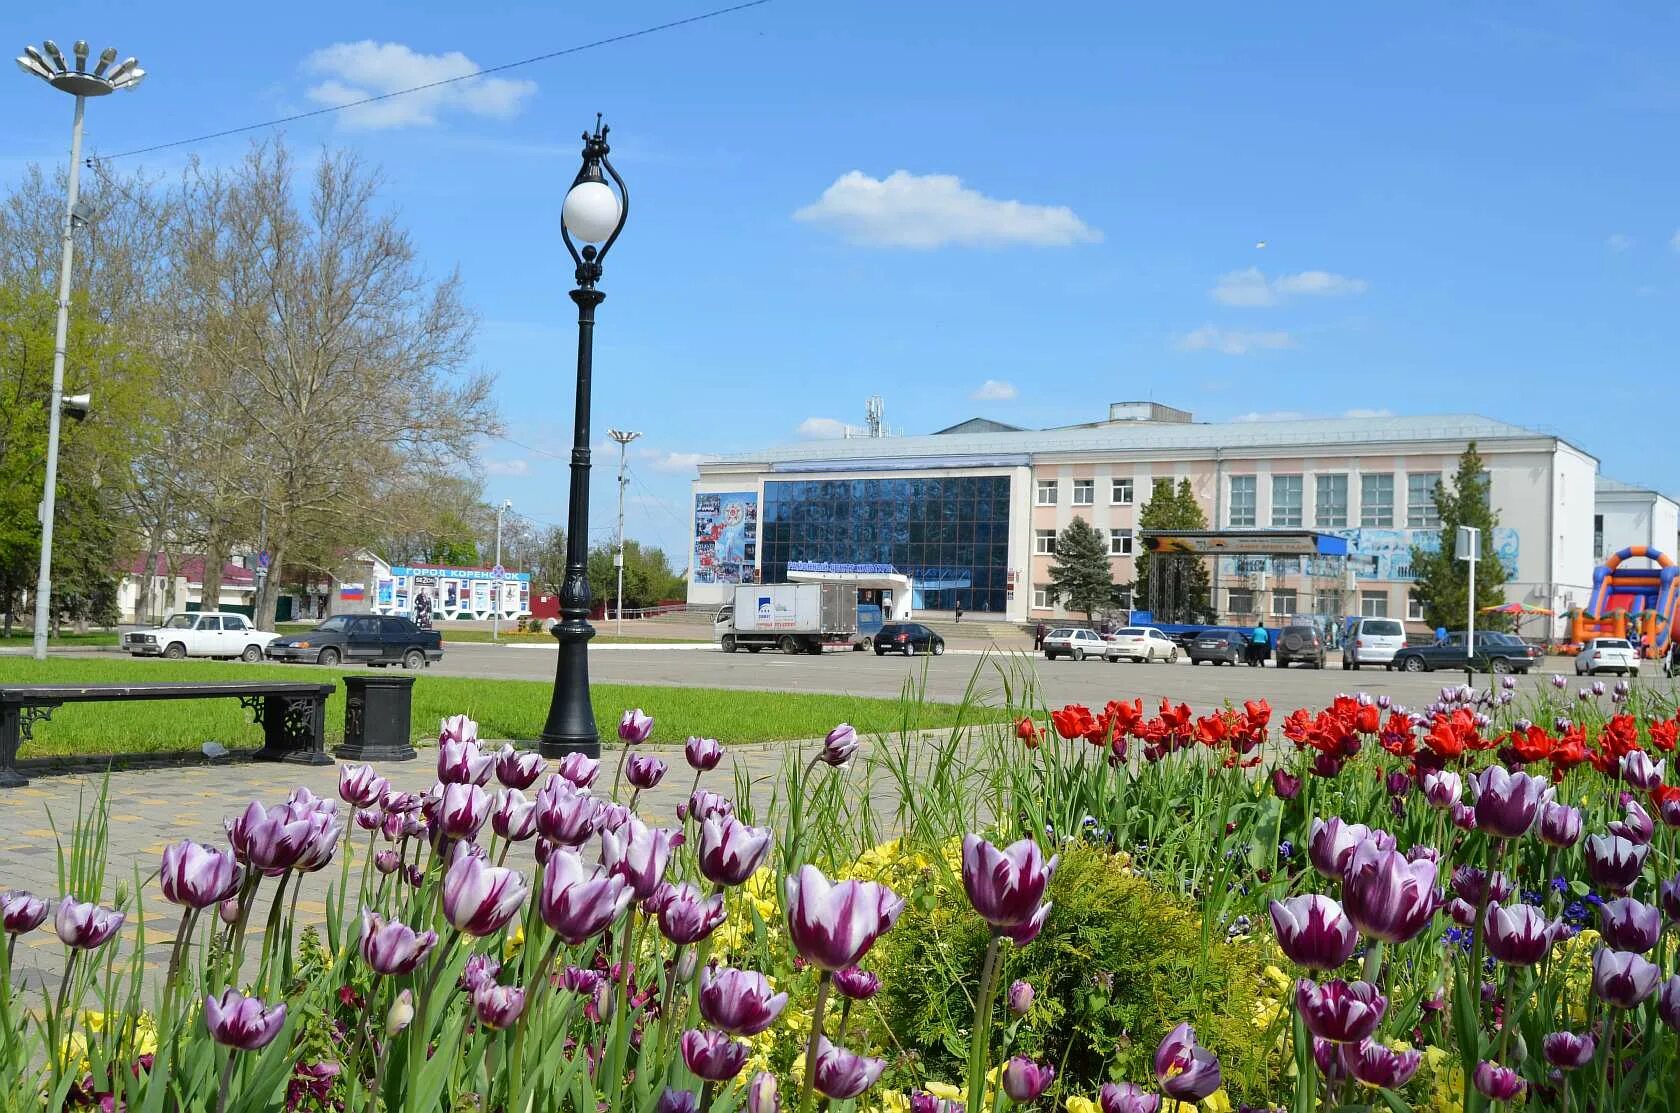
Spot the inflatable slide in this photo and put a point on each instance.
(1638, 602)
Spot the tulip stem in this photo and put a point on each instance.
(621, 1022)
(980, 1038)
(817, 1008)
(708, 1093)
(227, 1079)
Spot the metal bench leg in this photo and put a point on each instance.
(294, 730)
(11, 735)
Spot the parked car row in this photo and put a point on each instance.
(378, 640)
(1132, 643)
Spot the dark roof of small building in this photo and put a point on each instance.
(980, 425)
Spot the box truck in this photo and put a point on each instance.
(796, 618)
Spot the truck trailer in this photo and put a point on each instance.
(796, 618)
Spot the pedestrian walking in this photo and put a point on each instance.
(959, 614)
(1038, 637)
(1259, 645)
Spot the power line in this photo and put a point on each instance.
(611, 39)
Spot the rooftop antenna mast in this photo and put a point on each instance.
(874, 416)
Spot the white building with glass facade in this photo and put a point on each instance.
(971, 513)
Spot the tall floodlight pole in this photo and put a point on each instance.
(595, 214)
(496, 583)
(1469, 550)
(80, 84)
(623, 437)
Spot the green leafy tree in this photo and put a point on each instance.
(648, 577)
(1080, 575)
(1443, 581)
(1174, 507)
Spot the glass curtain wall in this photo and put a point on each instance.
(949, 534)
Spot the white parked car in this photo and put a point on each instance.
(1073, 641)
(209, 634)
(1607, 655)
(1372, 641)
(1142, 644)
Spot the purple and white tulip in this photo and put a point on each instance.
(243, 1023)
(833, 925)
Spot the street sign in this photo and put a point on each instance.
(498, 571)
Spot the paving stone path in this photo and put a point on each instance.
(151, 808)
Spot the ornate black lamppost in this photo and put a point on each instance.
(595, 214)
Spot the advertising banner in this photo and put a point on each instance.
(725, 537)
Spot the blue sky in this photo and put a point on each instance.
(1461, 211)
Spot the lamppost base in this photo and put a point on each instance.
(570, 728)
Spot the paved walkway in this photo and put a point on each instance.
(151, 808)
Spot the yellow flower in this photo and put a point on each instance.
(514, 944)
(1278, 977)
(945, 1091)
(1216, 1102)
(895, 1101)
(1078, 1104)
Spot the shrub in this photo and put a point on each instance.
(1115, 968)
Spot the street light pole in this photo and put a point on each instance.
(80, 84)
(595, 214)
(623, 437)
(496, 584)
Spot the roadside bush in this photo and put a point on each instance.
(1115, 966)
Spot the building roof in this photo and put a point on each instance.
(190, 566)
(1605, 485)
(978, 425)
(1147, 436)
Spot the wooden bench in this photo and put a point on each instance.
(293, 715)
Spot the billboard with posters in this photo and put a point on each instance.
(726, 537)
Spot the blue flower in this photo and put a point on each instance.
(1561, 884)
(1286, 850)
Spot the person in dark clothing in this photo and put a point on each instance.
(959, 613)
(1038, 637)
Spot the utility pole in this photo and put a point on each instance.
(623, 437)
(496, 572)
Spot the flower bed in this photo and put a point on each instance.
(1451, 906)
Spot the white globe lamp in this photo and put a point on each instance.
(591, 211)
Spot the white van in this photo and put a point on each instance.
(1372, 641)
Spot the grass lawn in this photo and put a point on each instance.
(21, 637)
(503, 708)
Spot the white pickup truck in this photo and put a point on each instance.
(222, 634)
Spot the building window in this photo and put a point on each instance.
(1041, 597)
(1044, 542)
(1122, 492)
(1084, 492)
(1421, 512)
(1414, 609)
(1239, 601)
(1283, 602)
(1286, 501)
(1242, 501)
(1332, 509)
(1119, 542)
(1046, 492)
(1373, 604)
(1376, 498)
(1598, 537)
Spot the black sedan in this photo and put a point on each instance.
(1222, 647)
(1495, 652)
(908, 638)
(368, 639)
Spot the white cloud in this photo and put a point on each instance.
(507, 467)
(1234, 342)
(1619, 241)
(1674, 240)
(353, 71)
(1367, 413)
(994, 390)
(936, 210)
(1251, 288)
(674, 463)
(822, 429)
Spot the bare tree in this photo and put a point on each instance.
(342, 362)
